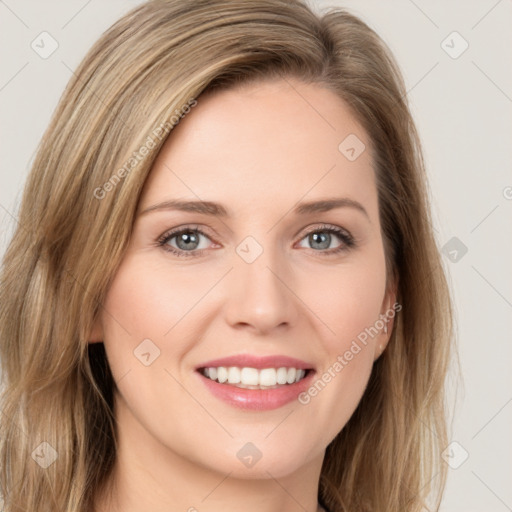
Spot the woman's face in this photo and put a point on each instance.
(263, 269)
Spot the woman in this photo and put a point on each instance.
(224, 292)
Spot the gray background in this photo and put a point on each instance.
(462, 107)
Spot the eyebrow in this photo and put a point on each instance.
(217, 210)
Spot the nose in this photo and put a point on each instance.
(260, 296)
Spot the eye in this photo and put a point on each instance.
(190, 241)
(184, 242)
(321, 237)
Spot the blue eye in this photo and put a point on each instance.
(321, 237)
(186, 241)
(186, 244)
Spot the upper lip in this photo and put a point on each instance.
(258, 362)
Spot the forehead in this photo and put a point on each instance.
(280, 140)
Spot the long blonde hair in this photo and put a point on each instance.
(76, 218)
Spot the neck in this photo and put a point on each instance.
(150, 476)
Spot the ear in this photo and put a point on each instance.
(387, 315)
(96, 335)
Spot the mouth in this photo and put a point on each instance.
(256, 389)
(255, 378)
(255, 382)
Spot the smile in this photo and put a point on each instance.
(253, 378)
(255, 397)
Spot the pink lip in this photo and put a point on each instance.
(257, 399)
(246, 360)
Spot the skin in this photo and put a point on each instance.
(257, 150)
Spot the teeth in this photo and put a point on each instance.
(253, 378)
(233, 375)
(250, 377)
(281, 375)
(222, 374)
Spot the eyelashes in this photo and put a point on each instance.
(192, 234)
(347, 240)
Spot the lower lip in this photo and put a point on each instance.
(257, 399)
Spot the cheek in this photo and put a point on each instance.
(348, 306)
(145, 302)
(148, 298)
(347, 299)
